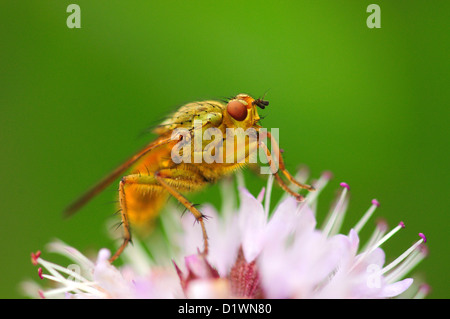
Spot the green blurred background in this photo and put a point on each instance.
(371, 105)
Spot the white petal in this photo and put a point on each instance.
(306, 220)
(283, 220)
(396, 288)
(191, 240)
(224, 245)
(354, 240)
(377, 257)
(252, 224)
(109, 278)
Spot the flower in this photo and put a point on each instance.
(252, 254)
(86, 279)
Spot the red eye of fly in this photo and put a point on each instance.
(237, 110)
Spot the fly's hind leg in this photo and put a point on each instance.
(175, 179)
(125, 221)
(144, 180)
(171, 180)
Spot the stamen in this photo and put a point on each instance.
(336, 211)
(319, 186)
(407, 265)
(268, 195)
(371, 248)
(403, 256)
(345, 185)
(228, 196)
(240, 179)
(366, 216)
(423, 237)
(327, 175)
(71, 285)
(53, 268)
(40, 273)
(423, 291)
(34, 257)
(137, 256)
(73, 254)
(377, 234)
(340, 218)
(49, 267)
(387, 236)
(61, 290)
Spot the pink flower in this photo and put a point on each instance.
(252, 254)
(287, 256)
(86, 279)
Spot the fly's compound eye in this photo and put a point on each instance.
(237, 110)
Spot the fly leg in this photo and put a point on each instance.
(147, 180)
(283, 168)
(173, 180)
(125, 222)
(273, 168)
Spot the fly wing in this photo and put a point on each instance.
(205, 111)
(209, 112)
(119, 171)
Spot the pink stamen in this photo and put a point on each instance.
(423, 237)
(366, 216)
(327, 174)
(34, 257)
(424, 250)
(345, 185)
(382, 224)
(402, 224)
(40, 273)
(425, 288)
(41, 294)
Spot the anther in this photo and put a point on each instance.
(35, 257)
(423, 237)
(41, 294)
(366, 216)
(345, 185)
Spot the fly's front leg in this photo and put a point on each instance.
(283, 185)
(283, 168)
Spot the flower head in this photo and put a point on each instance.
(253, 254)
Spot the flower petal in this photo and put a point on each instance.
(252, 224)
(396, 288)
